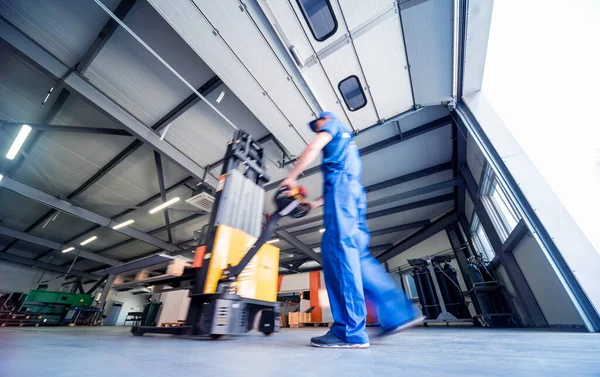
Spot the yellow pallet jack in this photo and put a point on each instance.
(236, 271)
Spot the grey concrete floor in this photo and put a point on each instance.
(113, 352)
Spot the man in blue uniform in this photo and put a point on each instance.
(351, 272)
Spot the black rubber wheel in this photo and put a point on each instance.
(267, 333)
(136, 334)
(217, 336)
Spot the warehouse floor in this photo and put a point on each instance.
(112, 351)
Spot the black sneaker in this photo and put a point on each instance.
(411, 322)
(331, 341)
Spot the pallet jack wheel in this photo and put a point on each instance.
(217, 336)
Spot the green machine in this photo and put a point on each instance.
(51, 307)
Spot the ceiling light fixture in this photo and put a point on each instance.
(18, 143)
(123, 224)
(273, 240)
(321, 230)
(164, 205)
(69, 249)
(1, 176)
(220, 98)
(91, 239)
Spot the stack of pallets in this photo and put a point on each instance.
(13, 318)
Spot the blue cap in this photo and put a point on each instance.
(321, 115)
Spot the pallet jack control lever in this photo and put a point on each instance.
(289, 202)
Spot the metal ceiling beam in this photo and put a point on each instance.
(417, 192)
(409, 177)
(384, 212)
(427, 127)
(373, 249)
(399, 228)
(420, 236)
(47, 266)
(124, 213)
(55, 245)
(382, 185)
(103, 37)
(285, 235)
(62, 128)
(163, 194)
(70, 208)
(77, 83)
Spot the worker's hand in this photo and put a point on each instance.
(289, 182)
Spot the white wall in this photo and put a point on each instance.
(18, 278)
(547, 289)
(569, 238)
(174, 306)
(131, 303)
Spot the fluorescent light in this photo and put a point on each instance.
(69, 249)
(123, 224)
(220, 98)
(91, 239)
(18, 143)
(1, 176)
(164, 205)
(321, 230)
(273, 240)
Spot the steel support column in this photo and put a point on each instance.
(163, 194)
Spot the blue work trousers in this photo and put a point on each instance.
(351, 272)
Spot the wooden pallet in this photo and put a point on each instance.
(172, 324)
(316, 324)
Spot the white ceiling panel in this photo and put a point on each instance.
(22, 90)
(202, 134)
(429, 34)
(376, 133)
(64, 227)
(243, 37)
(18, 212)
(130, 250)
(341, 65)
(186, 19)
(288, 26)
(357, 12)
(65, 28)
(410, 185)
(62, 161)
(339, 33)
(383, 59)
(430, 149)
(422, 116)
(319, 83)
(135, 79)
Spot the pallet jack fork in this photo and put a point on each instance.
(239, 200)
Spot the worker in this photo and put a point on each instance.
(351, 272)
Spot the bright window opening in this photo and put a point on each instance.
(499, 207)
(481, 242)
(319, 17)
(352, 92)
(411, 288)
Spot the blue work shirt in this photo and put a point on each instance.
(341, 153)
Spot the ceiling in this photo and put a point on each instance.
(238, 56)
